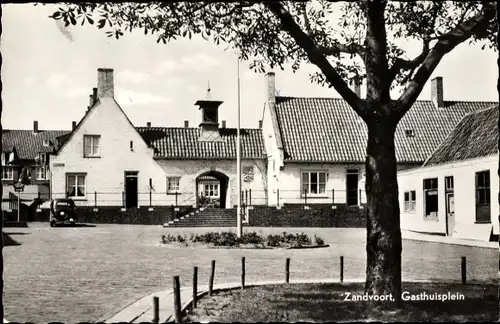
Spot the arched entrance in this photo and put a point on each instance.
(211, 189)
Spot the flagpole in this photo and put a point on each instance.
(238, 159)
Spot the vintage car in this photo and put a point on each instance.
(62, 211)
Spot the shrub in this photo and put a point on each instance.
(274, 240)
(318, 240)
(301, 240)
(165, 239)
(181, 239)
(251, 238)
(227, 239)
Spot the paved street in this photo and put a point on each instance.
(91, 273)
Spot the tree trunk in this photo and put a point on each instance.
(1, 228)
(383, 244)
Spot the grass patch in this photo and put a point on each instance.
(230, 239)
(326, 303)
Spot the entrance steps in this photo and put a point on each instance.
(206, 217)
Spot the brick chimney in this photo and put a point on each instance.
(148, 124)
(186, 123)
(223, 124)
(73, 125)
(271, 87)
(94, 95)
(437, 92)
(105, 85)
(91, 101)
(35, 126)
(260, 123)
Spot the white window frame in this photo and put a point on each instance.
(9, 171)
(310, 185)
(91, 150)
(409, 203)
(173, 184)
(77, 184)
(213, 188)
(41, 175)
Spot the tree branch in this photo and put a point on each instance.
(445, 44)
(402, 64)
(337, 48)
(316, 56)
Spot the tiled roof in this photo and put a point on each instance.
(328, 129)
(27, 143)
(182, 143)
(168, 142)
(475, 136)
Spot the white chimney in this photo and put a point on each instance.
(35, 126)
(271, 87)
(223, 124)
(105, 86)
(437, 92)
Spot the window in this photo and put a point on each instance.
(41, 173)
(91, 145)
(449, 184)
(431, 198)
(42, 158)
(7, 173)
(483, 188)
(46, 143)
(211, 190)
(75, 185)
(173, 184)
(352, 187)
(410, 198)
(314, 183)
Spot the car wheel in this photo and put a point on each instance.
(52, 223)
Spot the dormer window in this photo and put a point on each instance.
(46, 143)
(410, 133)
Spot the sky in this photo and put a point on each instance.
(48, 73)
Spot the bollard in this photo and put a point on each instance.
(195, 287)
(287, 271)
(242, 273)
(177, 300)
(211, 279)
(464, 270)
(341, 269)
(156, 310)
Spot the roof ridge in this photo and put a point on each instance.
(419, 100)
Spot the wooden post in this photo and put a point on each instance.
(156, 310)
(243, 273)
(123, 199)
(333, 196)
(250, 194)
(287, 270)
(464, 270)
(341, 269)
(176, 194)
(95, 198)
(150, 197)
(195, 287)
(277, 197)
(359, 196)
(305, 197)
(177, 300)
(211, 279)
(246, 197)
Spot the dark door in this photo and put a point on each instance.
(131, 189)
(352, 188)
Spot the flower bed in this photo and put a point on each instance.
(247, 240)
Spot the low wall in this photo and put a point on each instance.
(315, 216)
(157, 215)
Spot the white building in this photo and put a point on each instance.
(455, 192)
(316, 147)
